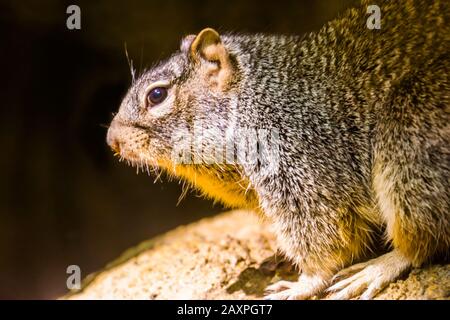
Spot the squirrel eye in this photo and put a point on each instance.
(156, 96)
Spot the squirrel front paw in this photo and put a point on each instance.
(369, 278)
(363, 279)
(306, 287)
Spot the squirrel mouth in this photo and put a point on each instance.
(136, 157)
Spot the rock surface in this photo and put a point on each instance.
(230, 256)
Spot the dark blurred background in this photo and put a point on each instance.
(64, 198)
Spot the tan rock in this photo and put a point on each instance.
(230, 256)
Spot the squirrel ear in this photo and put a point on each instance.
(187, 42)
(208, 45)
(206, 40)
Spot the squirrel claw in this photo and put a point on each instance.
(305, 288)
(281, 292)
(374, 276)
(347, 272)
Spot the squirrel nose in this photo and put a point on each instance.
(111, 138)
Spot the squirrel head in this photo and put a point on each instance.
(192, 87)
(176, 116)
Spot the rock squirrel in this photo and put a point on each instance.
(361, 140)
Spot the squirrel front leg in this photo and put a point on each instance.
(320, 246)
